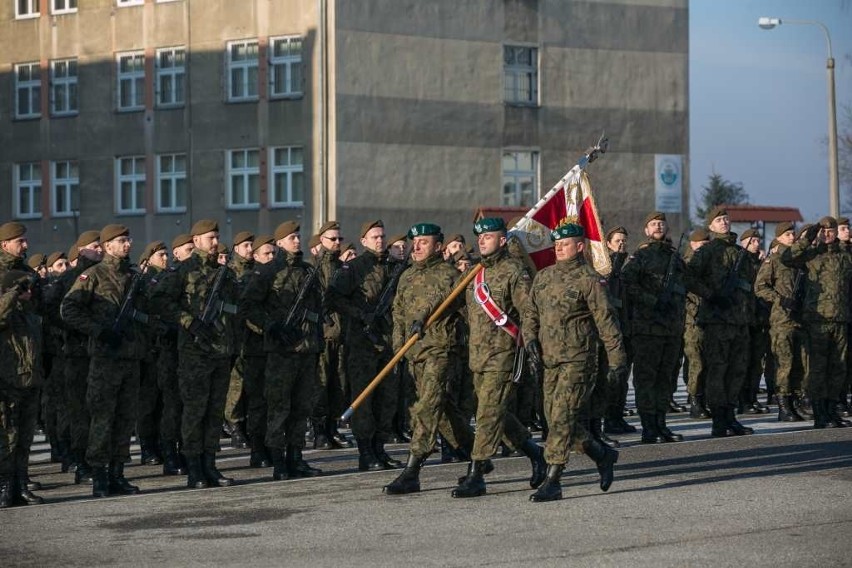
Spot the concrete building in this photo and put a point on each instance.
(156, 113)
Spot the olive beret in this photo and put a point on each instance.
(699, 235)
(73, 253)
(454, 237)
(12, 230)
(842, 221)
(346, 245)
(181, 239)
(14, 277)
(749, 233)
(151, 249)
(314, 241)
(222, 248)
(329, 226)
(286, 228)
(489, 225)
(783, 227)
(35, 260)
(803, 229)
(773, 244)
(717, 211)
(87, 237)
(258, 242)
(461, 255)
(615, 231)
(365, 228)
(828, 222)
(242, 237)
(654, 216)
(54, 256)
(204, 226)
(567, 230)
(113, 231)
(395, 238)
(426, 230)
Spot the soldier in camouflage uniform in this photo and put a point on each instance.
(292, 348)
(825, 314)
(758, 332)
(494, 304)
(398, 255)
(776, 285)
(568, 312)
(53, 410)
(204, 349)
(422, 288)
(693, 339)
(92, 307)
(845, 238)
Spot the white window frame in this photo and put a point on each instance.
(32, 87)
(285, 64)
(135, 78)
(287, 170)
(517, 174)
(125, 3)
(68, 9)
(515, 74)
(68, 185)
(245, 173)
(172, 177)
(177, 73)
(135, 178)
(30, 186)
(244, 66)
(61, 87)
(33, 9)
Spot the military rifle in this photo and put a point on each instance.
(385, 302)
(128, 311)
(669, 286)
(732, 280)
(297, 313)
(214, 305)
(797, 298)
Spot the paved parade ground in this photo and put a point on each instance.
(782, 497)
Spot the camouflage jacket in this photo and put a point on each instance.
(180, 297)
(9, 262)
(774, 285)
(20, 345)
(74, 343)
(618, 291)
(355, 292)
(243, 269)
(644, 273)
(329, 265)
(93, 303)
(507, 280)
(422, 288)
(271, 293)
(569, 311)
(693, 300)
(709, 269)
(760, 311)
(252, 340)
(828, 271)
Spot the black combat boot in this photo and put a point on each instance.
(172, 464)
(297, 466)
(829, 407)
(213, 476)
(100, 481)
(150, 452)
(279, 464)
(843, 408)
(786, 412)
(664, 430)
(24, 477)
(23, 496)
(409, 480)
(720, 428)
(605, 458)
(473, 484)
(597, 433)
(803, 405)
(238, 435)
(384, 458)
(697, 408)
(6, 500)
(83, 472)
(551, 489)
(56, 451)
(118, 484)
(195, 474)
(539, 467)
(338, 440)
(259, 453)
(675, 407)
(649, 429)
(67, 458)
(615, 423)
(367, 460)
(321, 437)
(736, 427)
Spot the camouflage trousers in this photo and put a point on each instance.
(76, 384)
(434, 410)
(758, 337)
(111, 397)
(254, 389)
(725, 362)
(203, 383)
(374, 417)
(167, 381)
(603, 394)
(494, 422)
(148, 417)
(18, 417)
(53, 406)
(461, 384)
(235, 403)
(693, 348)
(567, 389)
(330, 395)
(291, 382)
(657, 358)
(789, 355)
(827, 346)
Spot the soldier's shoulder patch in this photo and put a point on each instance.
(83, 277)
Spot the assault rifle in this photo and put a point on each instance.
(669, 284)
(796, 298)
(128, 312)
(732, 280)
(214, 305)
(385, 302)
(298, 312)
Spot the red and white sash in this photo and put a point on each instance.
(482, 296)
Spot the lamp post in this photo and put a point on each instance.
(833, 178)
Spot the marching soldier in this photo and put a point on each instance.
(398, 260)
(567, 314)
(494, 303)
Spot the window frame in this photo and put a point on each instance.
(34, 10)
(286, 62)
(246, 173)
(128, 3)
(516, 70)
(69, 185)
(177, 73)
(31, 86)
(172, 177)
(136, 78)
(245, 65)
(517, 174)
(135, 178)
(18, 184)
(61, 11)
(67, 81)
(288, 170)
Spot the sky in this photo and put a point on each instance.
(759, 98)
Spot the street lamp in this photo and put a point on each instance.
(833, 179)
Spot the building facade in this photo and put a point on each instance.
(156, 113)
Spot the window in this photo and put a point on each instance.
(285, 67)
(242, 71)
(130, 2)
(27, 9)
(520, 74)
(171, 183)
(27, 90)
(243, 178)
(130, 184)
(520, 179)
(63, 87)
(63, 7)
(65, 189)
(27, 196)
(171, 71)
(287, 172)
(131, 81)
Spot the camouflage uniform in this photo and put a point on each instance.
(252, 360)
(235, 403)
(54, 405)
(693, 342)
(758, 347)
(150, 396)
(617, 401)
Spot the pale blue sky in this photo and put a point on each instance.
(758, 98)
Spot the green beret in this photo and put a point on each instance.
(222, 248)
(655, 216)
(749, 233)
(13, 278)
(242, 237)
(54, 256)
(113, 231)
(842, 221)
(699, 235)
(87, 237)
(461, 255)
(567, 230)
(455, 237)
(426, 230)
(286, 229)
(73, 253)
(783, 227)
(828, 222)
(396, 238)
(181, 239)
(365, 228)
(615, 231)
(314, 241)
(804, 229)
(151, 249)
(12, 230)
(489, 225)
(35, 260)
(329, 226)
(717, 211)
(204, 226)
(260, 241)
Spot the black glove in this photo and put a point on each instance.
(720, 302)
(788, 304)
(201, 331)
(111, 338)
(617, 375)
(368, 317)
(535, 359)
(812, 232)
(417, 329)
(284, 333)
